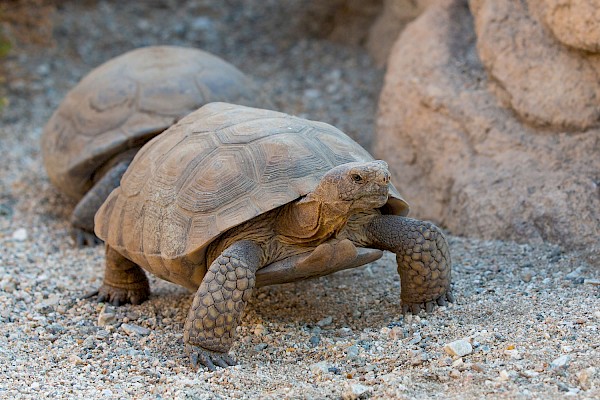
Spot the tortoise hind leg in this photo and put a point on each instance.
(82, 219)
(124, 281)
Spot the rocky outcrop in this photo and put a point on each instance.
(574, 22)
(392, 19)
(544, 81)
(490, 124)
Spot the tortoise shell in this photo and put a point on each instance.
(128, 100)
(218, 167)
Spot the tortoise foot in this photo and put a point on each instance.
(84, 238)
(428, 306)
(118, 296)
(208, 358)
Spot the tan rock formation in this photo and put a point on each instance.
(544, 81)
(392, 19)
(462, 156)
(575, 23)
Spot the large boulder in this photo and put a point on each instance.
(544, 81)
(460, 146)
(574, 22)
(392, 19)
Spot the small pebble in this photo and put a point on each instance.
(561, 362)
(261, 346)
(325, 321)
(334, 370)
(446, 361)
(344, 332)
(352, 351)
(503, 376)
(584, 376)
(529, 373)
(106, 316)
(357, 391)
(74, 359)
(458, 363)
(416, 339)
(477, 367)
(455, 374)
(314, 340)
(259, 330)
(20, 235)
(514, 354)
(135, 330)
(321, 367)
(458, 348)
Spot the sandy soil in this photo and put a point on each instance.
(530, 313)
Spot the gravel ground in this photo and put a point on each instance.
(525, 321)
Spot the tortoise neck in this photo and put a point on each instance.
(311, 221)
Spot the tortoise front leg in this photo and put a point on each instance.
(423, 259)
(219, 303)
(82, 219)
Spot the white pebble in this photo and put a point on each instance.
(322, 367)
(561, 362)
(74, 359)
(20, 235)
(356, 391)
(503, 376)
(529, 373)
(459, 348)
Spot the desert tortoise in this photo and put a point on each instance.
(91, 138)
(233, 197)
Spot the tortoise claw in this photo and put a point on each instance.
(208, 358)
(89, 295)
(429, 307)
(416, 308)
(118, 296)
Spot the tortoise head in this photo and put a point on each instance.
(362, 185)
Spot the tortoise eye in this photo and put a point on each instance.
(356, 178)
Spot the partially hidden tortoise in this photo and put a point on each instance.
(103, 121)
(232, 197)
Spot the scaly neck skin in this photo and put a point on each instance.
(311, 221)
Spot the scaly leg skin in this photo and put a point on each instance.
(82, 219)
(423, 260)
(218, 305)
(124, 281)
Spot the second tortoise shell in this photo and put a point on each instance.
(128, 100)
